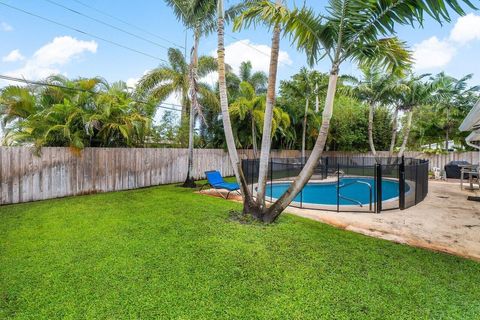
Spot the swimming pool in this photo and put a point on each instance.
(353, 191)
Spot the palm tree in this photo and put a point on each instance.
(16, 103)
(273, 15)
(167, 79)
(74, 113)
(248, 106)
(176, 78)
(450, 95)
(417, 93)
(352, 30)
(376, 88)
(306, 85)
(257, 79)
(196, 18)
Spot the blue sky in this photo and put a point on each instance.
(32, 48)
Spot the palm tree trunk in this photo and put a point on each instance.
(254, 138)
(304, 129)
(394, 133)
(316, 97)
(406, 133)
(370, 132)
(267, 124)
(297, 185)
(189, 181)
(227, 125)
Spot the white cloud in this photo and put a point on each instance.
(432, 53)
(133, 81)
(466, 29)
(5, 27)
(258, 54)
(47, 60)
(13, 56)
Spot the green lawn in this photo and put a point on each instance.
(165, 252)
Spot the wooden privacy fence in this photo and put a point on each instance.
(58, 172)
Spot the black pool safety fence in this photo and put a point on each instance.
(353, 184)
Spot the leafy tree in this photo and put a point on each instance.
(74, 113)
(453, 96)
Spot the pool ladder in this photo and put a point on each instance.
(353, 200)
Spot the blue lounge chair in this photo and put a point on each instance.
(216, 181)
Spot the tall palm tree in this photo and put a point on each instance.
(248, 201)
(272, 14)
(176, 78)
(195, 18)
(450, 95)
(355, 30)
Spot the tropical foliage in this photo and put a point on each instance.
(74, 113)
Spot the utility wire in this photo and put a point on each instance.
(38, 83)
(106, 24)
(82, 32)
(127, 23)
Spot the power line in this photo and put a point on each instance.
(106, 24)
(127, 23)
(82, 32)
(38, 83)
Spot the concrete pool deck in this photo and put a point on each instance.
(445, 221)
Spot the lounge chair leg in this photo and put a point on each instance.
(221, 194)
(228, 194)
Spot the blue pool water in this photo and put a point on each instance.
(326, 192)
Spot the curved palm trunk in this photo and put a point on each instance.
(304, 129)
(267, 124)
(394, 133)
(189, 181)
(297, 185)
(406, 134)
(227, 125)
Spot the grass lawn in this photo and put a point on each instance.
(165, 252)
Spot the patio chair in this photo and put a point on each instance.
(216, 181)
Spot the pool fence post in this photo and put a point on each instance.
(301, 191)
(326, 168)
(338, 187)
(271, 178)
(401, 184)
(379, 187)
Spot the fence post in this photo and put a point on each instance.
(338, 187)
(271, 178)
(301, 191)
(326, 167)
(401, 184)
(379, 187)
